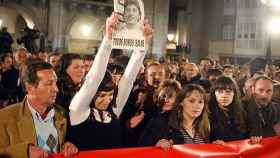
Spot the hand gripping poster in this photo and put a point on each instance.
(129, 31)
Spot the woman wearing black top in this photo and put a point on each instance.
(9, 76)
(101, 130)
(227, 117)
(94, 111)
(165, 97)
(70, 73)
(188, 122)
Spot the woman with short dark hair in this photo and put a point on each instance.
(227, 117)
(164, 98)
(94, 110)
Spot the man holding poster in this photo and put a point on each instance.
(129, 32)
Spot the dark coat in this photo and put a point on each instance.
(132, 135)
(224, 126)
(6, 41)
(66, 92)
(155, 130)
(261, 120)
(197, 80)
(164, 126)
(9, 82)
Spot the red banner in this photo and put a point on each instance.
(269, 147)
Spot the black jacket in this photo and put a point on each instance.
(224, 125)
(197, 80)
(164, 126)
(11, 90)
(132, 135)
(66, 92)
(261, 120)
(94, 135)
(155, 130)
(6, 41)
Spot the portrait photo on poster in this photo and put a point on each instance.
(129, 32)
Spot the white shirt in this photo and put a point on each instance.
(105, 114)
(80, 104)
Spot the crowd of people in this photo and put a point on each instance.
(68, 103)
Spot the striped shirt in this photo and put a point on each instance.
(197, 139)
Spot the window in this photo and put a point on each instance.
(229, 7)
(240, 3)
(239, 36)
(249, 35)
(252, 35)
(249, 3)
(229, 3)
(228, 32)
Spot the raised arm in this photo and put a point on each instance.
(80, 104)
(128, 78)
(130, 74)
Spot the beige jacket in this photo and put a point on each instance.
(17, 129)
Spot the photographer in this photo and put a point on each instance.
(29, 39)
(6, 41)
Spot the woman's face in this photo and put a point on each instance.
(103, 99)
(193, 104)
(8, 62)
(131, 14)
(167, 99)
(224, 97)
(76, 71)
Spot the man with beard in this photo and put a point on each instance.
(262, 113)
(140, 107)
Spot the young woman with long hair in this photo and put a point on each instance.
(227, 117)
(70, 73)
(188, 123)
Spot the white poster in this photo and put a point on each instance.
(129, 32)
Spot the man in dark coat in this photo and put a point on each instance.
(262, 114)
(6, 41)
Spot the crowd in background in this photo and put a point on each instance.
(168, 102)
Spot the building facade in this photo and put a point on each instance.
(77, 25)
(243, 30)
(216, 28)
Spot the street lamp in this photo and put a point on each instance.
(86, 30)
(1, 21)
(274, 4)
(170, 37)
(273, 25)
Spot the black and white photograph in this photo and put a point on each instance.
(129, 34)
